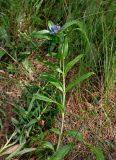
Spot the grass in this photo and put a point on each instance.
(90, 106)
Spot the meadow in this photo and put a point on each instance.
(57, 80)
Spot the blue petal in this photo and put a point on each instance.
(54, 29)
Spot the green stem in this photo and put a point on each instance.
(63, 103)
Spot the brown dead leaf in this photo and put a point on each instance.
(11, 149)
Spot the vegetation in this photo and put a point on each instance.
(57, 79)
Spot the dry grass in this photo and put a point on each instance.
(95, 124)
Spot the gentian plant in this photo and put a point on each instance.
(60, 68)
(52, 92)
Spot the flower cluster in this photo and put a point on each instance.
(54, 29)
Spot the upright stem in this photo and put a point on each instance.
(63, 103)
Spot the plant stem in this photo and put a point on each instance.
(63, 103)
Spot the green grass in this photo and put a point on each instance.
(94, 36)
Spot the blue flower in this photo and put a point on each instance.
(54, 29)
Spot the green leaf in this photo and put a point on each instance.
(61, 107)
(38, 6)
(43, 98)
(28, 65)
(70, 64)
(48, 145)
(53, 81)
(11, 68)
(44, 34)
(25, 53)
(2, 53)
(68, 24)
(77, 135)
(50, 24)
(32, 122)
(55, 130)
(61, 153)
(1, 124)
(51, 65)
(40, 97)
(65, 47)
(56, 55)
(59, 70)
(26, 150)
(78, 80)
(82, 29)
(46, 63)
(98, 152)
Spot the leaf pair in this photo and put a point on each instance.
(76, 81)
